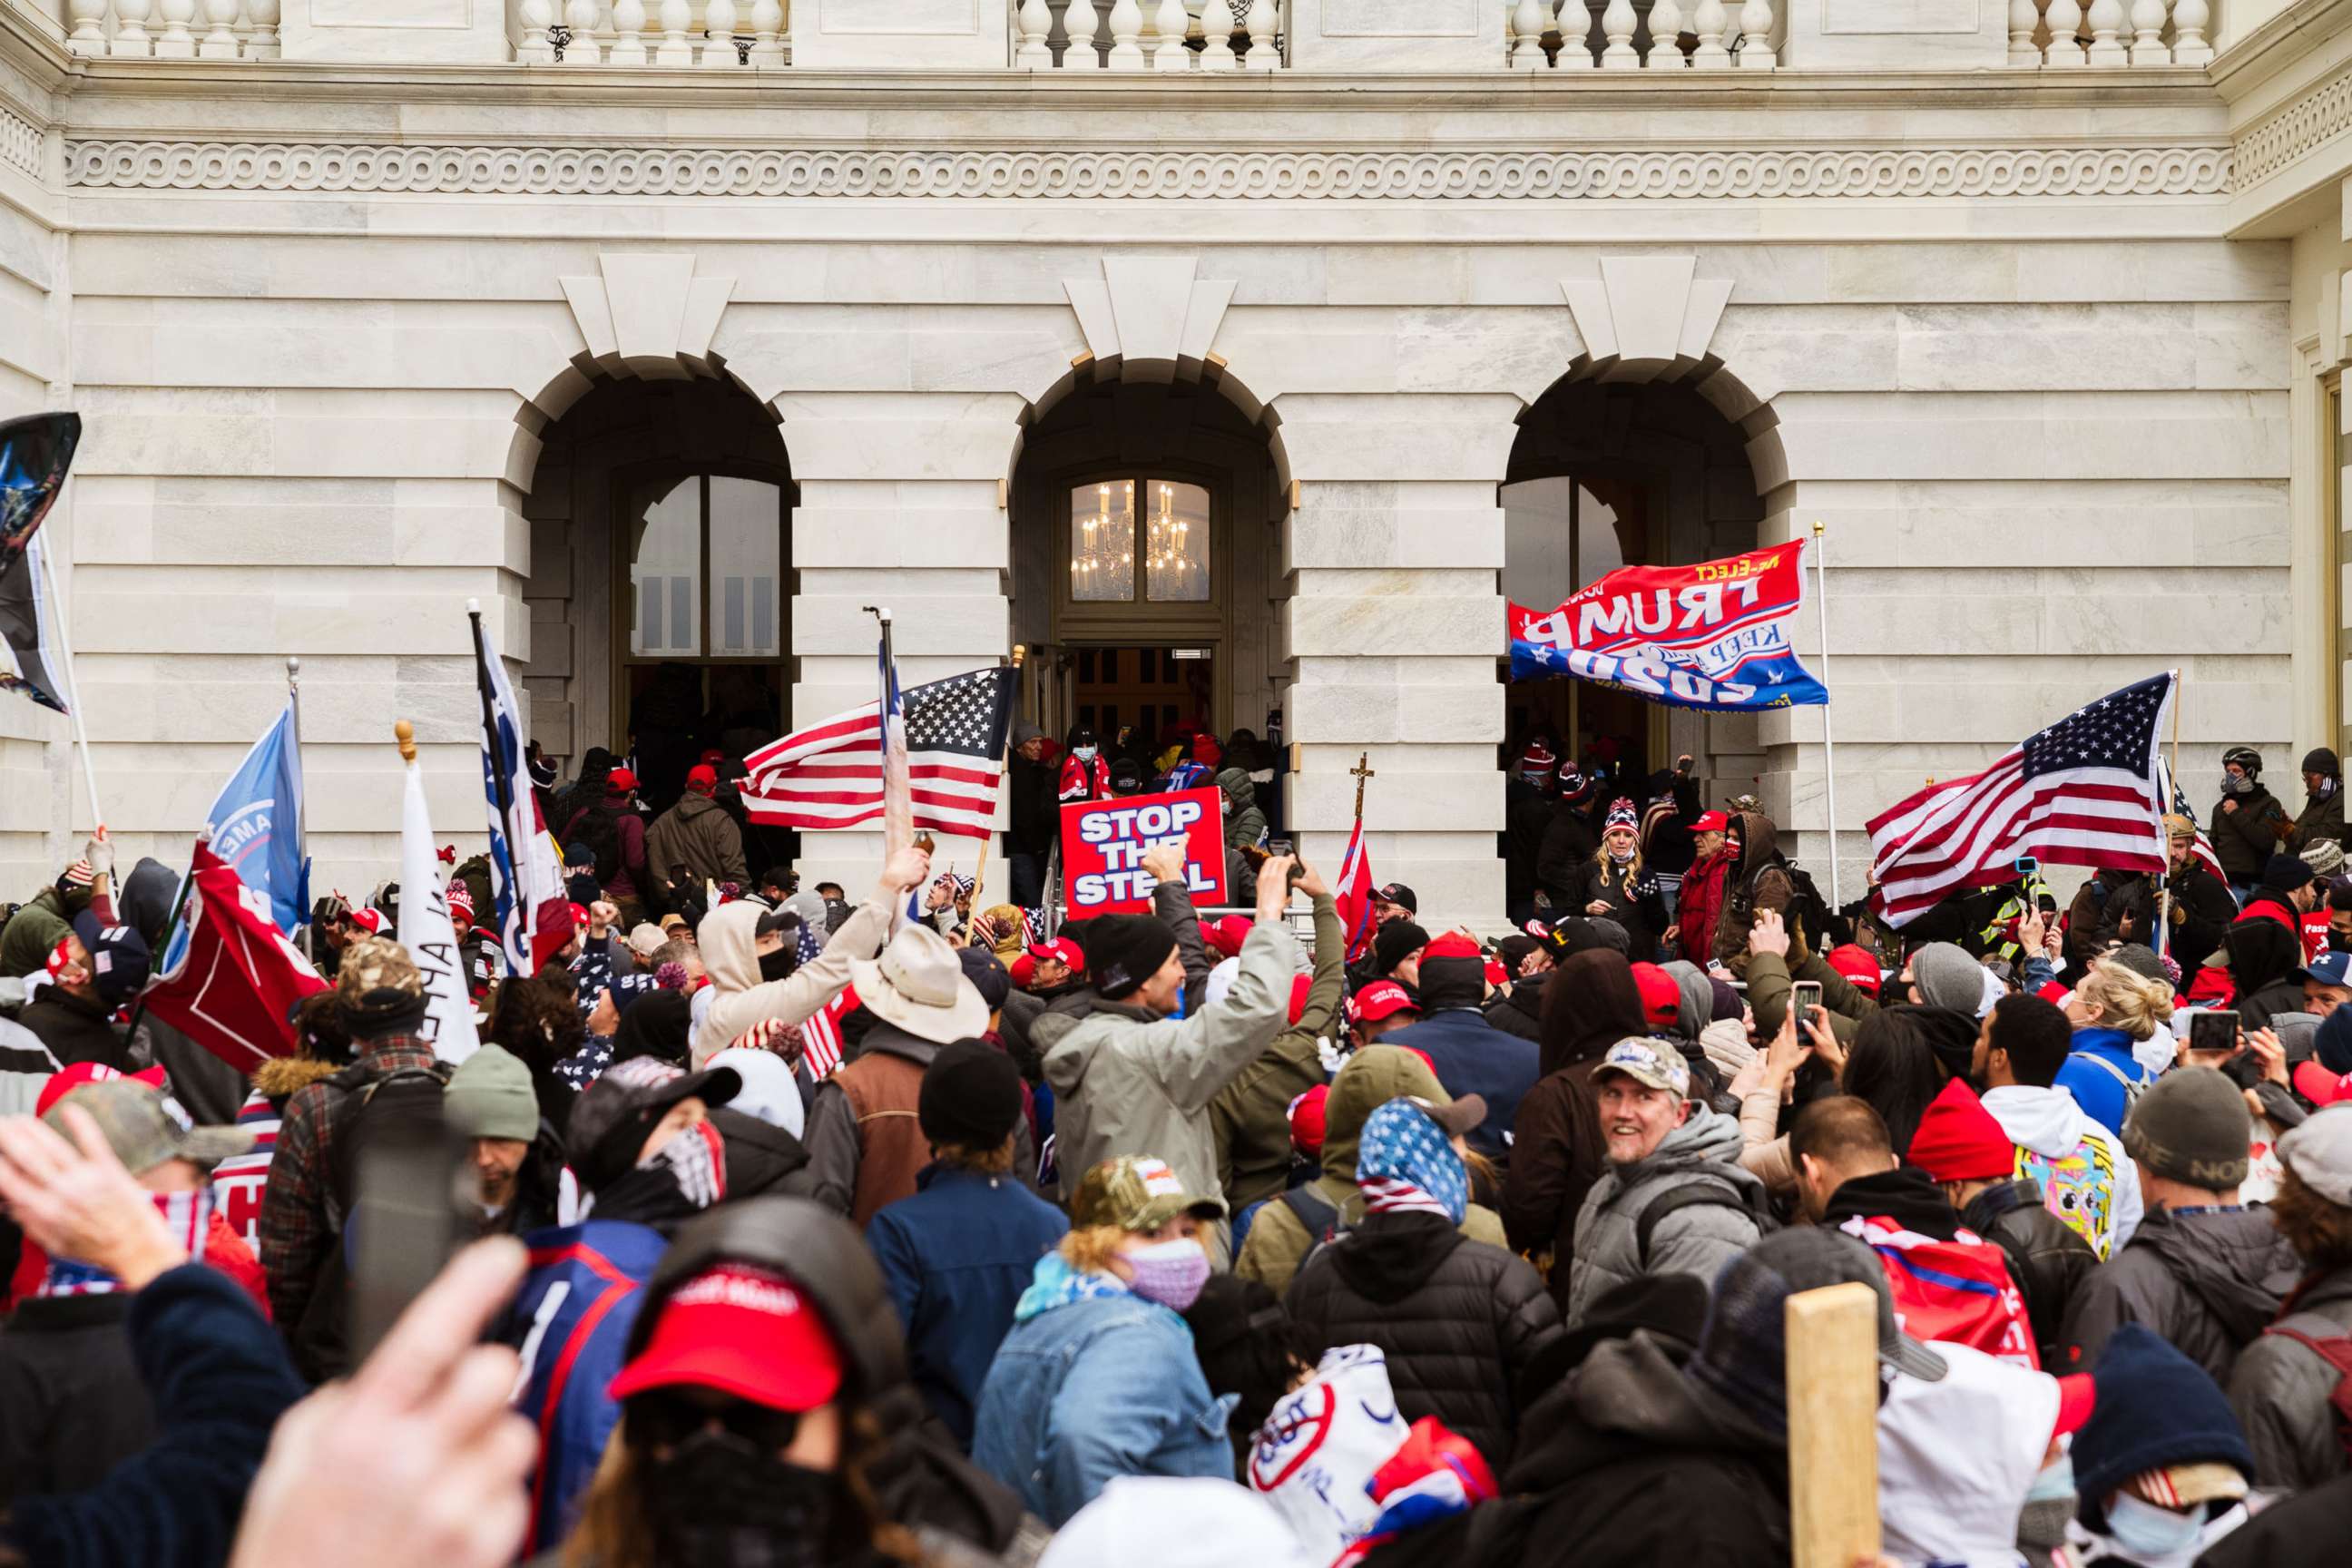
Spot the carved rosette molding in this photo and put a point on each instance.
(1393, 176)
(2285, 135)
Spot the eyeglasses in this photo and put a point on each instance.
(663, 1418)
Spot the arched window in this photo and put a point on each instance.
(702, 559)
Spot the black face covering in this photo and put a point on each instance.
(2337, 942)
(777, 964)
(719, 1500)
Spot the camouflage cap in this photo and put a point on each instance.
(378, 983)
(1137, 1192)
(142, 1130)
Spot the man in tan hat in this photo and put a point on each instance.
(865, 1140)
(2200, 906)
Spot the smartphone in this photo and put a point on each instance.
(1279, 847)
(1805, 996)
(412, 1178)
(2213, 1031)
(2027, 865)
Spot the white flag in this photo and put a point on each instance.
(426, 933)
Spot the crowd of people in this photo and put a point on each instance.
(789, 1229)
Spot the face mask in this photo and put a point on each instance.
(776, 966)
(2235, 784)
(718, 1500)
(2053, 1482)
(1170, 1272)
(2326, 787)
(2152, 1536)
(1084, 754)
(1621, 856)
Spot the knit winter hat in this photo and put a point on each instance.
(2141, 960)
(490, 1096)
(1124, 951)
(2333, 1045)
(2285, 873)
(2191, 1125)
(1621, 815)
(971, 1095)
(1945, 976)
(2156, 1408)
(1395, 942)
(1959, 1140)
(2325, 857)
(2321, 761)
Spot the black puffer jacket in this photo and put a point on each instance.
(2046, 1260)
(1521, 1012)
(1458, 1320)
(2207, 1281)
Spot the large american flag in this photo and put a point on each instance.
(2202, 850)
(830, 774)
(2085, 792)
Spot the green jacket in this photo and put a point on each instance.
(1277, 1242)
(1768, 992)
(33, 931)
(1251, 1115)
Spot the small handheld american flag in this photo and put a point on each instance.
(829, 774)
(2087, 791)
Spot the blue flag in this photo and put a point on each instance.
(256, 827)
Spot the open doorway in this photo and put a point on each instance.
(1143, 698)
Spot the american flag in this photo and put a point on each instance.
(830, 775)
(1353, 895)
(2085, 792)
(820, 1044)
(2203, 848)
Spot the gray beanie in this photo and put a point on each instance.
(1945, 976)
(2191, 1126)
(2141, 960)
(490, 1096)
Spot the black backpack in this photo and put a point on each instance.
(1320, 1217)
(1695, 1194)
(599, 827)
(405, 1103)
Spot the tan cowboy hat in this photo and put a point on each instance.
(919, 986)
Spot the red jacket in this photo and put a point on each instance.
(1077, 785)
(1705, 887)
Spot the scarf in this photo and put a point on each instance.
(1405, 1164)
(1055, 1284)
(188, 1216)
(679, 1180)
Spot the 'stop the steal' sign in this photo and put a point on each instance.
(1104, 843)
(1713, 636)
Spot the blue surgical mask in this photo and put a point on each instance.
(2055, 1481)
(2154, 1537)
(1084, 754)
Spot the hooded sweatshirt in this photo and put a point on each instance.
(2207, 1279)
(1698, 1239)
(2086, 1180)
(1556, 1151)
(740, 998)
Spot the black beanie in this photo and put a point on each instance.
(971, 1095)
(1124, 951)
(2285, 873)
(1393, 942)
(2323, 761)
(987, 976)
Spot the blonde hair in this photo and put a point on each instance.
(1089, 1248)
(2126, 1000)
(1632, 871)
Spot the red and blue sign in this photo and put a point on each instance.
(1713, 637)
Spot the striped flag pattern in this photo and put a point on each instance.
(1353, 895)
(2085, 792)
(830, 774)
(2203, 848)
(820, 1044)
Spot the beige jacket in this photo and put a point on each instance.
(740, 998)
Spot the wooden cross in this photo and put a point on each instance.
(1363, 770)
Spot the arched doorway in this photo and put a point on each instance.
(661, 586)
(1144, 563)
(1606, 474)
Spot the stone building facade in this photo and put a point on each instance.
(374, 308)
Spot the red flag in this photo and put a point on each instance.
(239, 979)
(1353, 895)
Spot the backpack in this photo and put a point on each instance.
(2133, 1087)
(406, 1103)
(1808, 911)
(1320, 1217)
(598, 827)
(1695, 1195)
(2337, 1352)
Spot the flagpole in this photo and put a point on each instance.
(301, 809)
(102, 893)
(2164, 836)
(1829, 753)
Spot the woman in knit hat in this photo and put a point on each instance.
(1618, 888)
(2161, 1468)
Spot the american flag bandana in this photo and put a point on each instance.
(810, 945)
(187, 1215)
(1406, 1163)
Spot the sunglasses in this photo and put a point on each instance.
(662, 1418)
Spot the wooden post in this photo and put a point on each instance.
(1834, 1425)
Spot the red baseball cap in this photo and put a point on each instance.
(743, 1331)
(65, 1081)
(1061, 949)
(1453, 945)
(1023, 970)
(2312, 1081)
(1711, 822)
(702, 779)
(620, 781)
(1661, 999)
(1307, 1121)
(1300, 984)
(1857, 965)
(1227, 934)
(368, 918)
(1380, 999)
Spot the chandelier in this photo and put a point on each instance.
(1102, 553)
(1168, 550)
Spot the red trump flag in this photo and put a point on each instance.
(238, 978)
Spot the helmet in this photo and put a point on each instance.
(2245, 757)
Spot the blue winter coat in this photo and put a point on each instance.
(1095, 1383)
(572, 1323)
(1471, 1055)
(957, 1256)
(2099, 1092)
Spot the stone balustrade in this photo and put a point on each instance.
(1163, 36)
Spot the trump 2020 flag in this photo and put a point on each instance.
(429, 935)
(1714, 636)
(236, 980)
(523, 871)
